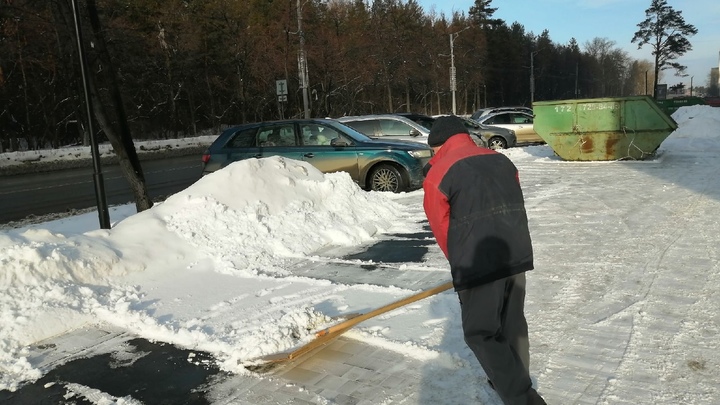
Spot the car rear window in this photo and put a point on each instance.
(242, 139)
(521, 119)
(366, 127)
(394, 128)
(499, 119)
(277, 135)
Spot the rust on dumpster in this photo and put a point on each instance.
(603, 129)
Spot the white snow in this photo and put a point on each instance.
(623, 306)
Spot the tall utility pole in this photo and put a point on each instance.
(103, 213)
(691, 85)
(484, 96)
(453, 84)
(577, 70)
(453, 76)
(302, 64)
(532, 77)
(532, 74)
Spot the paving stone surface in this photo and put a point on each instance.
(348, 371)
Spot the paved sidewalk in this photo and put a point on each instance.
(344, 372)
(347, 372)
(351, 372)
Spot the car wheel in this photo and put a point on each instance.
(497, 142)
(387, 178)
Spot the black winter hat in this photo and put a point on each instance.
(445, 127)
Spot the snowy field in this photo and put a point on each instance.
(623, 305)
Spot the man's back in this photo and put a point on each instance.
(476, 211)
(473, 198)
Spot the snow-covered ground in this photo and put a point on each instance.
(623, 306)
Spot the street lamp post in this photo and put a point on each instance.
(691, 85)
(484, 96)
(532, 77)
(577, 78)
(103, 213)
(302, 64)
(453, 76)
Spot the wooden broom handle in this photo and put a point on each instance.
(386, 308)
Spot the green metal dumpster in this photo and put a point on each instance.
(603, 128)
(671, 105)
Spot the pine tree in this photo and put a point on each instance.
(666, 31)
(481, 13)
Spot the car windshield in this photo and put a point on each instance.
(471, 124)
(475, 123)
(479, 113)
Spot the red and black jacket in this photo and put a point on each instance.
(476, 211)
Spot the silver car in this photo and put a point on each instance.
(494, 110)
(496, 137)
(387, 127)
(390, 126)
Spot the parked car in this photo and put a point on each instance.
(496, 137)
(422, 119)
(380, 165)
(387, 126)
(493, 137)
(492, 110)
(410, 126)
(519, 122)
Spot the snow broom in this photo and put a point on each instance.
(327, 335)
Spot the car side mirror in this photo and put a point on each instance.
(338, 142)
(414, 132)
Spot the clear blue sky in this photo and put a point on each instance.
(612, 19)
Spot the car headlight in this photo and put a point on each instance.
(421, 153)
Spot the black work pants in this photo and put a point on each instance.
(495, 329)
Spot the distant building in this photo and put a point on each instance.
(715, 73)
(714, 89)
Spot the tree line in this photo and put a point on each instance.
(172, 68)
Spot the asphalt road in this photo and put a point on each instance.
(71, 189)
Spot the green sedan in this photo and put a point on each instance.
(329, 146)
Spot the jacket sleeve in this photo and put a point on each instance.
(437, 210)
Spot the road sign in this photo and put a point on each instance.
(281, 87)
(282, 98)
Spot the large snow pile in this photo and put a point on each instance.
(247, 220)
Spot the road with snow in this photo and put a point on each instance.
(65, 190)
